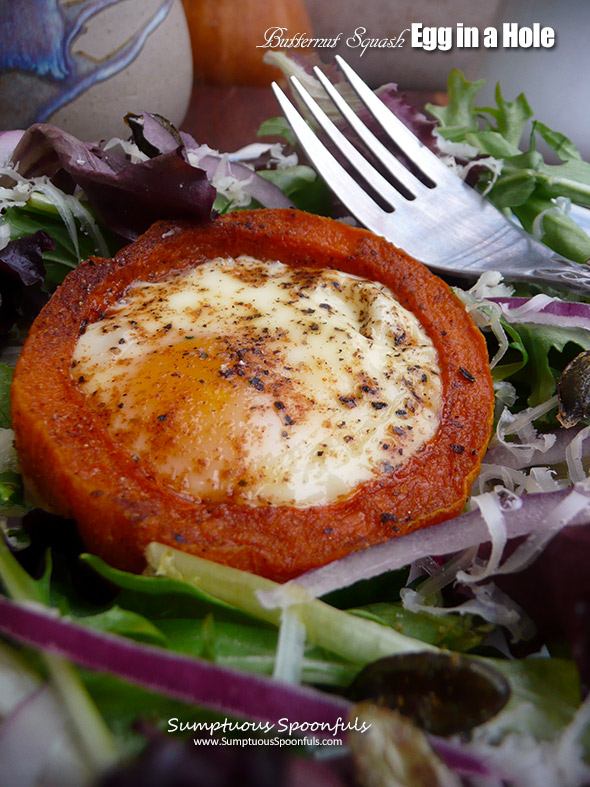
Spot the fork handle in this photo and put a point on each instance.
(518, 257)
(572, 276)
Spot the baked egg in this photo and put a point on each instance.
(272, 390)
(260, 382)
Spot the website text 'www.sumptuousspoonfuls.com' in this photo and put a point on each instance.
(274, 741)
(293, 733)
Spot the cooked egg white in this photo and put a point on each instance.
(260, 383)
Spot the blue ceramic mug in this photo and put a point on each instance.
(83, 65)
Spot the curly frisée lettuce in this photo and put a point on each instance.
(506, 582)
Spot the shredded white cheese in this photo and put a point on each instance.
(288, 666)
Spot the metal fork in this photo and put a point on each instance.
(436, 218)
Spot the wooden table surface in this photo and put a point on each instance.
(227, 117)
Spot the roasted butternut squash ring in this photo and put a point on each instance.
(77, 468)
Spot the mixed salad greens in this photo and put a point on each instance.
(486, 616)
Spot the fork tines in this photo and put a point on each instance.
(401, 190)
(396, 191)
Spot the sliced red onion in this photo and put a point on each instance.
(460, 759)
(191, 680)
(218, 167)
(222, 689)
(445, 538)
(545, 311)
(574, 504)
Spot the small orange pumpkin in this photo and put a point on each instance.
(228, 37)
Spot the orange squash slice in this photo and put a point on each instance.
(78, 469)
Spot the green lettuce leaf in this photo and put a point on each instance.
(459, 116)
(38, 215)
(190, 621)
(277, 127)
(516, 358)
(303, 186)
(548, 349)
(456, 632)
(6, 374)
(522, 181)
(545, 696)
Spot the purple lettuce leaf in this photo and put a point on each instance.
(154, 135)
(22, 273)
(169, 762)
(398, 103)
(23, 258)
(127, 197)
